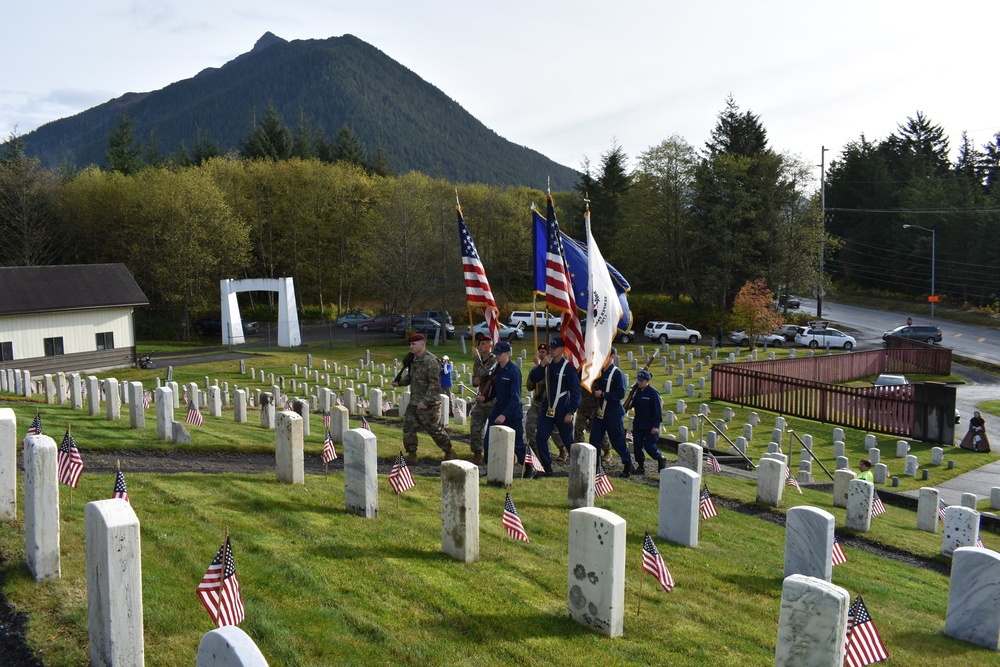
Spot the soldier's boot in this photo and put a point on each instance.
(563, 455)
(661, 464)
(411, 458)
(477, 458)
(639, 468)
(626, 471)
(606, 457)
(450, 454)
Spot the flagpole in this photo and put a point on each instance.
(534, 309)
(68, 431)
(222, 576)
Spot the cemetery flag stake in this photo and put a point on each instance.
(652, 562)
(219, 589)
(69, 461)
(838, 552)
(531, 460)
(329, 453)
(326, 419)
(942, 509)
(791, 481)
(864, 645)
(36, 425)
(877, 506)
(120, 490)
(147, 398)
(602, 483)
(364, 423)
(713, 463)
(399, 477)
(193, 416)
(512, 522)
(708, 509)
(477, 287)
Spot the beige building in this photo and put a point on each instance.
(67, 318)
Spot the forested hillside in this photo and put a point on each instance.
(316, 87)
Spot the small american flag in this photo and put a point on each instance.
(713, 462)
(652, 562)
(942, 509)
(340, 401)
(284, 401)
(877, 506)
(602, 483)
(399, 477)
(329, 453)
(220, 582)
(979, 543)
(791, 481)
(864, 645)
(147, 398)
(386, 407)
(838, 552)
(512, 522)
(70, 463)
(531, 460)
(628, 435)
(707, 504)
(364, 423)
(120, 490)
(36, 426)
(326, 419)
(193, 416)
(185, 397)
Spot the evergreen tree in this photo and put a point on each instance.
(268, 140)
(348, 148)
(123, 152)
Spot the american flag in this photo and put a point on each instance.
(791, 481)
(329, 453)
(864, 645)
(877, 506)
(194, 415)
(364, 423)
(713, 462)
(652, 562)
(386, 407)
(707, 504)
(602, 483)
(559, 290)
(399, 477)
(36, 426)
(477, 287)
(628, 435)
(340, 402)
(70, 463)
(326, 419)
(838, 552)
(219, 582)
(512, 522)
(120, 490)
(147, 398)
(979, 543)
(942, 509)
(531, 460)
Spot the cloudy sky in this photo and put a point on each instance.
(565, 78)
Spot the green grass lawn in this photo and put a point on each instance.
(323, 587)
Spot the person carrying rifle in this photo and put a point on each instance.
(480, 414)
(609, 416)
(424, 410)
(537, 390)
(505, 393)
(562, 399)
(648, 414)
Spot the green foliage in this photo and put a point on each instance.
(268, 140)
(124, 152)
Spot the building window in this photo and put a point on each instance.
(106, 340)
(7, 351)
(53, 346)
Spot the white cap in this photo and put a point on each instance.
(445, 358)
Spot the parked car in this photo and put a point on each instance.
(380, 323)
(207, 326)
(251, 327)
(789, 331)
(625, 336)
(425, 325)
(825, 337)
(438, 315)
(902, 384)
(508, 333)
(353, 318)
(671, 332)
(793, 302)
(529, 318)
(927, 333)
(743, 340)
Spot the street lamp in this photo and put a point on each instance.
(933, 232)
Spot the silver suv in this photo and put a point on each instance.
(927, 333)
(671, 332)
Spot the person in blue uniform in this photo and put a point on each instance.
(507, 409)
(648, 413)
(562, 400)
(609, 416)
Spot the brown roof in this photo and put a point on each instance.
(41, 289)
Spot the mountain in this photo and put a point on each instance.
(330, 82)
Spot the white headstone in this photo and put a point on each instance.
(288, 458)
(361, 473)
(214, 401)
(841, 486)
(229, 646)
(500, 464)
(41, 507)
(937, 456)
(860, 495)
(596, 570)
(928, 503)
(582, 467)
(8, 464)
(770, 482)
(812, 624)
(112, 399)
(339, 423)
(680, 503)
(164, 413)
(809, 542)
(912, 464)
(902, 448)
(961, 529)
(75, 391)
(240, 406)
(460, 510)
(974, 598)
(870, 441)
(690, 456)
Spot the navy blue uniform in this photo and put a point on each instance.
(507, 392)
(648, 411)
(612, 383)
(562, 398)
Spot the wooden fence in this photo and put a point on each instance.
(806, 387)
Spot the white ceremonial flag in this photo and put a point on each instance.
(604, 313)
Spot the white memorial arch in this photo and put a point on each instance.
(289, 334)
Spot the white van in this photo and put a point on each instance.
(530, 318)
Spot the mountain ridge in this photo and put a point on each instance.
(331, 82)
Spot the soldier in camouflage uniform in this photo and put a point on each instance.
(480, 415)
(424, 409)
(583, 419)
(537, 399)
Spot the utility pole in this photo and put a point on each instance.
(822, 229)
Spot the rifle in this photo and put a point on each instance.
(407, 360)
(486, 385)
(627, 405)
